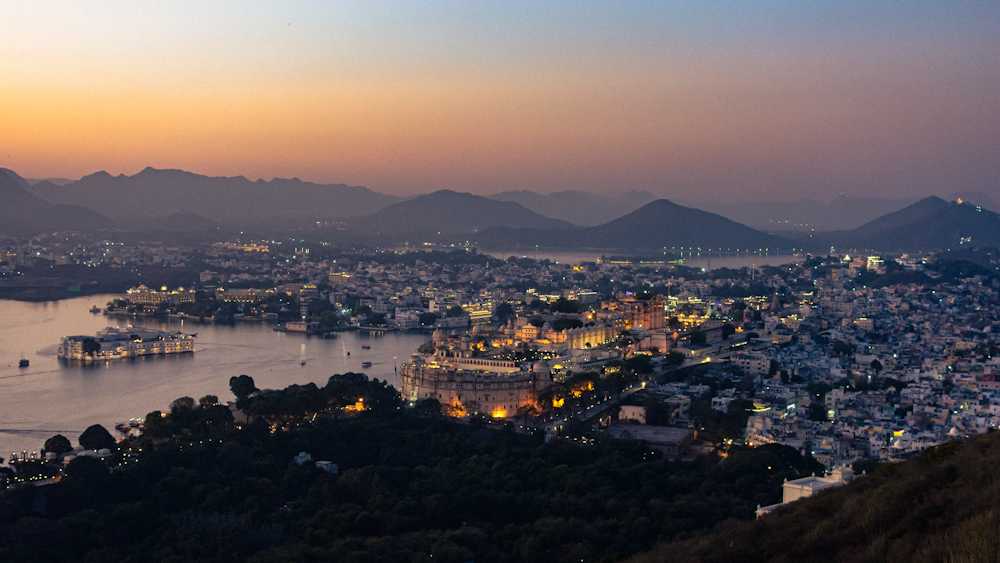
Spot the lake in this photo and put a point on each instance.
(691, 259)
(52, 396)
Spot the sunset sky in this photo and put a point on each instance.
(688, 100)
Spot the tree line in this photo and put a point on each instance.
(204, 486)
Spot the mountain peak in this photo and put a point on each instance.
(15, 177)
(927, 225)
(162, 172)
(455, 212)
(932, 200)
(99, 175)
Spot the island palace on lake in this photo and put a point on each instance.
(114, 343)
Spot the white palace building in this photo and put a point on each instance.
(128, 342)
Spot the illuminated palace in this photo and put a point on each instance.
(142, 295)
(474, 370)
(114, 343)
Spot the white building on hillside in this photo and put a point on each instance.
(792, 491)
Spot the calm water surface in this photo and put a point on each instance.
(55, 397)
(693, 260)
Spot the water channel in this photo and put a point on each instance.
(52, 396)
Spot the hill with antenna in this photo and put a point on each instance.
(928, 225)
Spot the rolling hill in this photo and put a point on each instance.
(449, 212)
(657, 225)
(25, 214)
(940, 506)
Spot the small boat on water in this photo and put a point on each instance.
(366, 347)
(130, 426)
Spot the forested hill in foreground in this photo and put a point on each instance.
(941, 506)
(411, 488)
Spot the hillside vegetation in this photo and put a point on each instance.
(411, 488)
(941, 506)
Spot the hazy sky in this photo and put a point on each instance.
(689, 100)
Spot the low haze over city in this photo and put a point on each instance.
(499, 281)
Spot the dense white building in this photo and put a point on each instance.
(129, 342)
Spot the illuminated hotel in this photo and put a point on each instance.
(142, 295)
(243, 295)
(129, 342)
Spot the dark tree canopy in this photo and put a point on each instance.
(639, 364)
(91, 471)
(90, 346)
(182, 403)
(504, 311)
(563, 305)
(409, 486)
(242, 387)
(563, 323)
(675, 358)
(57, 444)
(97, 437)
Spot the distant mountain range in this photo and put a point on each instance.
(56, 181)
(658, 225)
(585, 209)
(156, 193)
(931, 224)
(178, 201)
(24, 214)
